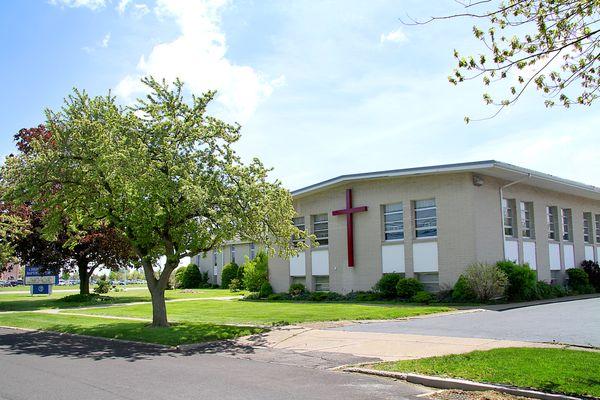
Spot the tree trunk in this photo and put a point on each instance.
(84, 277)
(157, 292)
(159, 308)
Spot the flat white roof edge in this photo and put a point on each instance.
(447, 168)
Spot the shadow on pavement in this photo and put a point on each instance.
(51, 344)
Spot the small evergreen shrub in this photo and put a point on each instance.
(265, 290)
(423, 297)
(191, 278)
(102, 287)
(235, 285)
(387, 285)
(408, 287)
(579, 281)
(462, 293)
(522, 281)
(230, 272)
(297, 289)
(592, 270)
(256, 272)
(176, 278)
(486, 281)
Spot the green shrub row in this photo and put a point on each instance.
(189, 277)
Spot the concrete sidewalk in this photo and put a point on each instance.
(384, 346)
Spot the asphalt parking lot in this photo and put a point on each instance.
(573, 322)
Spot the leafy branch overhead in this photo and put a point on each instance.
(552, 45)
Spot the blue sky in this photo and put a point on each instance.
(320, 88)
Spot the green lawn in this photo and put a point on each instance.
(181, 333)
(194, 320)
(25, 302)
(554, 370)
(266, 313)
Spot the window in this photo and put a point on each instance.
(587, 227)
(508, 212)
(527, 228)
(298, 279)
(430, 281)
(321, 229)
(252, 251)
(566, 224)
(425, 218)
(232, 252)
(298, 223)
(597, 228)
(393, 221)
(215, 263)
(321, 283)
(552, 219)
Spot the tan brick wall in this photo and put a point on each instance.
(469, 226)
(456, 243)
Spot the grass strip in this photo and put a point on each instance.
(571, 372)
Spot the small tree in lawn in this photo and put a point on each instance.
(162, 173)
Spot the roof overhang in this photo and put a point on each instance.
(497, 169)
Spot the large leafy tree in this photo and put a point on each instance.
(102, 246)
(162, 173)
(552, 45)
(12, 227)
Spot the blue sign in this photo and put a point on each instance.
(34, 275)
(41, 289)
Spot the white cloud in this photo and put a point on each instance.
(198, 57)
(136, 9)
(122, 6)
(105, 40)
(397, 36)
(103, 43)
(91, 4)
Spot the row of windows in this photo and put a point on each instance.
(425, 217)
(232, 253)
(553, 219)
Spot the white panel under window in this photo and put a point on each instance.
(529, 254)
(320, 262)
(298, 265)
(589, 253)
(597, 253)
(425, 257)
(569, 256)
(392, 258)
(554, 253)
(511, 250)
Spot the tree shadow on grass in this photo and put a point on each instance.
(51, 344)
(37, 303)
(72, 345)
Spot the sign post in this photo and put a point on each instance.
(40, 282)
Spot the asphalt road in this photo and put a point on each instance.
(574, 322)
(51, 366)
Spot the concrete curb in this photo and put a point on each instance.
(462, 384)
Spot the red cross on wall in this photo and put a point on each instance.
(348, 211)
